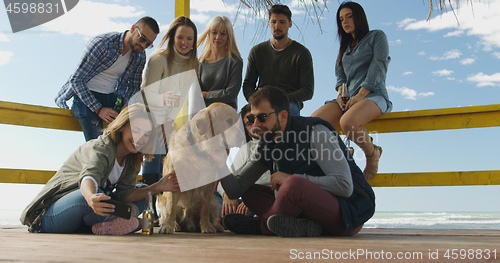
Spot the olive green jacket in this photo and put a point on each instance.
(95, 158)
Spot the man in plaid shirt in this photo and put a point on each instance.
(111, 65)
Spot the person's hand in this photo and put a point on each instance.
(204, 94)
(219, 156)
(107, 114)
(352, 100)
(100, 208)
(242, 209)
(277, 179)
(170, 97)
(168, 183)
(228, 206)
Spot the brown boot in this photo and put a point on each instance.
(372, 159)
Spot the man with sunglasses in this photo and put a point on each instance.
(110, 66)
(318, 189)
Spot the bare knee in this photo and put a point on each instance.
(349, 124)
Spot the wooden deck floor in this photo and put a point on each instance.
(17, 245)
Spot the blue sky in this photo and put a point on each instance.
(440, 63)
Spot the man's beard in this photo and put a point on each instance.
(269, 135)
(132, 46)
(279, 37)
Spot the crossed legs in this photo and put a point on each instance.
(352, 123)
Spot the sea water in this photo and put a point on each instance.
(435, 220)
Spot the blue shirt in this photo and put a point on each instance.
(366, 66)
(101, 53)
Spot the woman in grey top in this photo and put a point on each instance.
(362, 66)
(221, 65)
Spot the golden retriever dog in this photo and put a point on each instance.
(196, 209)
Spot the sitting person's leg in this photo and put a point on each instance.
(299, 197)
(68, 213)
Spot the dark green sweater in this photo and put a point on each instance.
(290, 69)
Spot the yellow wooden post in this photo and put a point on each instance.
(182, 9)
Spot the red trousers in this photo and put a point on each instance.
(298, 196)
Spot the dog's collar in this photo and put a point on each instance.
(193, 144)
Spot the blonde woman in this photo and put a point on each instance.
(221, 66)
(179, 55)
(72, 199)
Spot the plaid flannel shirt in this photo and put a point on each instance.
(101, 53)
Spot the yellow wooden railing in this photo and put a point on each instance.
(407, 121)
(423, 120)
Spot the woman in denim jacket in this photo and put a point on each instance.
(361, 65)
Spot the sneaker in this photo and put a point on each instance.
(242, 224)
(118, 227)
(289, 226)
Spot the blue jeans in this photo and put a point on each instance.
(294, 109)
(71, 211)
(89, 120)
(153, 170)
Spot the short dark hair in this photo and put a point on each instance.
(244, 111)
(281, 9)
(150, 22)
(277, 98)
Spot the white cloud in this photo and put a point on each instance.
(407, 73)
(484, 80)
(408, 93)
(3, 37)
(456, 33)
(406, 22)
(421, 53)
(396, 42)
(467, 61)
(455, 53)
(496, 54)
(5, 57)
(426, 94)
(481, 20)
(91, 18)
(443, 72)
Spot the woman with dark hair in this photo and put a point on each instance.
(101, 169)
(361, 66)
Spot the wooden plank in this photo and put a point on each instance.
(436, 119)
(424, 120)
(369, 245)
(436, 179)
(37, 116)
(21, 176)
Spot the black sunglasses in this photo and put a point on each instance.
(143, 39)
(261, 117)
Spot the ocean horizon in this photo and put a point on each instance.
(382, 219)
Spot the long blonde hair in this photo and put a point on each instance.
(221, 23)
(115, 129)
(169, 38)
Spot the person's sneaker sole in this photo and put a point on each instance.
(117, 227)
(289, 226)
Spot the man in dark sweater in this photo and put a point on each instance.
(281, 62)
(317, 186)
